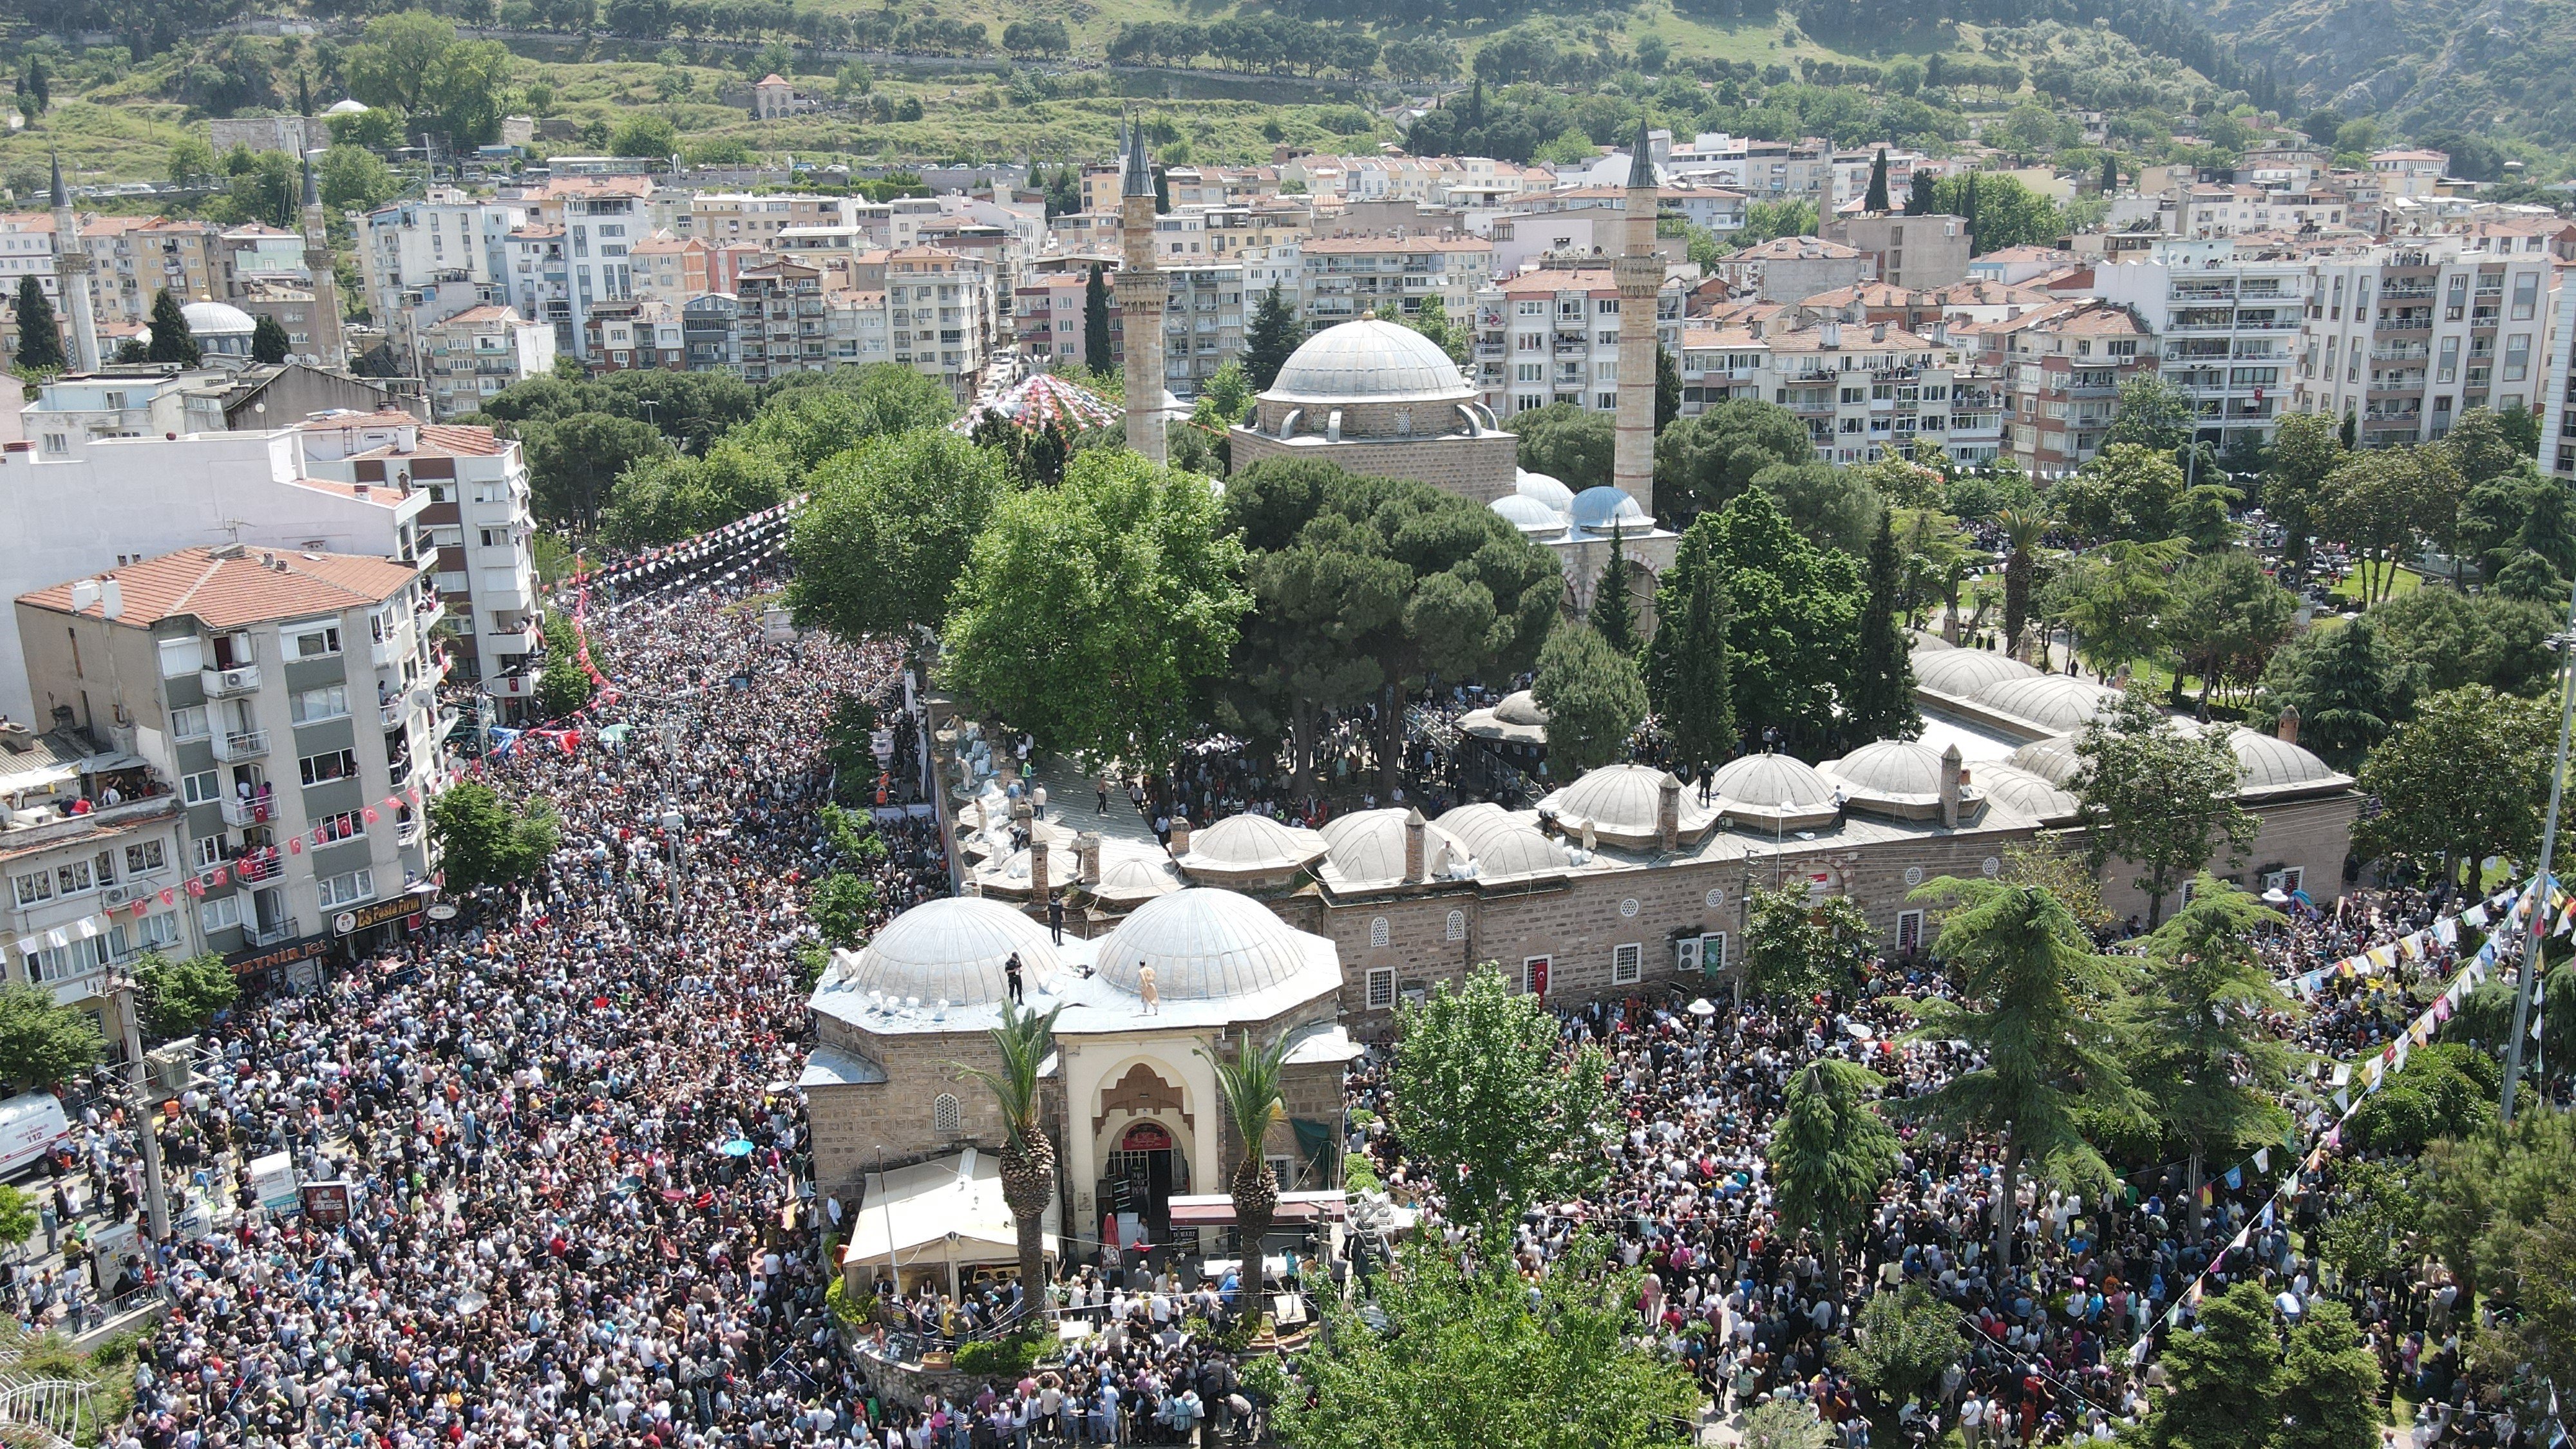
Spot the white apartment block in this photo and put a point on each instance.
(475, 524)
(2227, 329)
(1349, 277)
(1552, 335)
(475, 354)
(447, 236)
(2558, 389)
(83, 871)
(1862, 390)
(2407, 336)
(292, 695)
(1203, 313)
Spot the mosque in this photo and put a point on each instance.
(1625, 881)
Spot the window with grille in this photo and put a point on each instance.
(946, 1115)
(1627, 964)
(1457, 925)
(1378, 935)
(1381, 989)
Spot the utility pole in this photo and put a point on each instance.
(2539, 924)
(138, 1101)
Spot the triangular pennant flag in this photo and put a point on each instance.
(2262, 1159)
(2235, 1178)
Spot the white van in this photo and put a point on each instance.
(30, 1125)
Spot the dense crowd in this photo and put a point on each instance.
(1753, 1304)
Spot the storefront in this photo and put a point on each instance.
(365, 929)
(295, 966)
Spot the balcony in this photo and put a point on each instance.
(386, 653)
(513, 641)
(258, 869)
(275, 934)
(240, 814)
(224, 683)
(241, 745)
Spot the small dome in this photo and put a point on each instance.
(1770, 781)
(2266, 762)
(1520, 707)
(1528, 514)
(2056, 703)
(1962, 672)
(1543, 488)
(2053, 759)
(2023, 793)
(1367, 847)
(1134, 878)
(1620, 802)
(218, 319)
(1596, 509)
(1207, 945)
(1504, 844)
(1253, 842)
(347, 107)
(952, 949)
(1514, 719)
(1895, 769)
(1368, 361)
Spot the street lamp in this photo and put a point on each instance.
(121, 988)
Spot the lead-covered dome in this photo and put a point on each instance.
(218, 319)
(1248, 850)
(1774, 792)
(1620, 803)
(1514, 719)
(1596, 510)
(1209, 945)
(1366, 847)
(2056, 703)
(1368, 361)
(2054, 759)
(2031, 796)
(1545, 489)
(1528, 514)
(2265, 762)
(1963, 672)
(952, 949)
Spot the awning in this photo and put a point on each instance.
(1216, 1209)
(948, 1210)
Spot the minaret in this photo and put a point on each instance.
(328, 343)
(1140, 297)
(1640, 275)
(71, 277)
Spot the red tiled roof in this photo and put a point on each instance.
(226, 589)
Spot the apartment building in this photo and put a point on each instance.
(1552, 335)
(446, 236)
(2063, 366)
(540, 286)
(293, 695)
(1764, 170)
(940, 309)
(474, 524)
(669, 268)
(602, 218)
(2404, 337)
(1906, 251)
(1351, 277)
(2558, 390)
(624, 336)
(778, 321)
(1268, 241)
(2227, 329)
(469, 357)
(731, 216)
(1793, 268)
(1203, 309)
(1047, 317)
(92, 863)
(707, 330)
(1860, 390)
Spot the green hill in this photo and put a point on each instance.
(2474, 67)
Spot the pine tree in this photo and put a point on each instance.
(40, 337)
(1686, 663)
(268, 342)
(1275, 333)
(1668, 389)
(2110, 173)
(1162, 192)
(1882, 703)
(2226, 1376)
(172, 339)
(1096, 352)
(1876, 203)
(1830, 1153)
(1614, 613)
(1919, 197)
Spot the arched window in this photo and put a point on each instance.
(1377, 931)
(946, 1115)
(1457, 925)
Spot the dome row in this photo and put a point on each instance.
(1203, 945)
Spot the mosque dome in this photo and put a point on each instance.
(952, 949)
(1962, 672)
(1620, 802)
(218, 319)
(1246, 849)
(1595, 510)
(1514, 719)
(2023, 793)
(1368, 361)
(2266, 762)
(2053, 759)
(1207, 945)
(1367, 847)
(1774, 792)
(1545, 489)
(1128, 877)
(2056, 703)
(1528, 514)
(1504, 844)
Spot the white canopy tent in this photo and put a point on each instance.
(942, 1220)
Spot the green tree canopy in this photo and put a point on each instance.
(1793, 633)
(1593, 698)
(574, 463)
(1882, 695)
(415, 62)
(172, 339)
(1488, 1105)
(2227, 618)
(1687, 676)
(40, 336)
(2442, 639)
(1569, 443)
(1090, 614)
(2112, 598)
(2129, 491)
(2158, 798)
(2349, 687)
(483, 841)
(1273, 334)
(41, 1043)
(1702, 461)
(2305, 452)
(2467, 778)
(268, 340)
(178, 998)
(1830, 1153)
(881, 543)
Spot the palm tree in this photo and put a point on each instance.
(2023, 529)
(1248, 1085)
(1023, 1041)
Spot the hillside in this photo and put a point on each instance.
(2476, 67)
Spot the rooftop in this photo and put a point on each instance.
(227, 588)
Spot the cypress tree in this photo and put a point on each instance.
(1274, 333)
(1096, 353)
(1882, 702)
(1876, 202)
(1687, 674)
(172, 339)
(1919, 198)
(1614, 614)
(2110, 173)
(1968, 213)
(40, 337)
(268, 342)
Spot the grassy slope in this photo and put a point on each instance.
(2481, 65)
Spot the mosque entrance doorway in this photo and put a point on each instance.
(1145, 1171)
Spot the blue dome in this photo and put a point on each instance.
(1595, 509)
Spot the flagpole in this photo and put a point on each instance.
(2540, 887)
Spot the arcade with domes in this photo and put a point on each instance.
(1378, 398)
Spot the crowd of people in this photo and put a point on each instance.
(1752, 1303)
